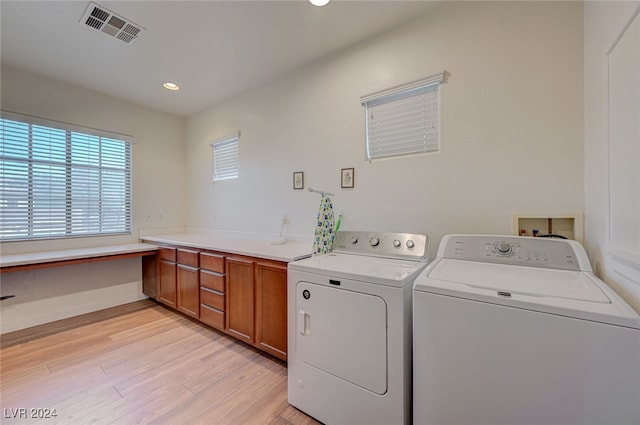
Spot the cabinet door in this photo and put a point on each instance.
(240, 298)
(188, 291)
(167, 283)
(271, 308)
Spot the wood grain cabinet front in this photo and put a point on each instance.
(212, 262)
(271, 308)
(211, 316)
(212, 290)
(256, 303)
(212, 298)
(240, 298)
(188, 291)
(167, 290)
(188, 282)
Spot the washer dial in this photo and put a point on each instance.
(503, 248)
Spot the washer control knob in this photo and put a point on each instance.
(374, 241)
(410, 244)
(396, 243)
(503, 248)
(354, 240)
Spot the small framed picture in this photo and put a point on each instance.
(347, 178)
(298, 180)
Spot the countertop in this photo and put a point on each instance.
(251, 245)
(72, 254)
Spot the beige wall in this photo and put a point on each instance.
(512, 129)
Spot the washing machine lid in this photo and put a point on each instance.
(568, 293)
(383, 271)
(521, 280)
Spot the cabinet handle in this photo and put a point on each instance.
(302, 322)
(213, 291)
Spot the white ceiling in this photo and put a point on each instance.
(214, 49)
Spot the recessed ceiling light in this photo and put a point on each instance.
(171, 86)
(319, 2)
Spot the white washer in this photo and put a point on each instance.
(518, 330)
(350, 328)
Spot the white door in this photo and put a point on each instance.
(343, 333)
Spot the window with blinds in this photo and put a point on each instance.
(403, 120)
(62, 181)
(225, 158)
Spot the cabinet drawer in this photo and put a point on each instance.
(212, 280)
(212, 262)
(168, 254)
(211, 298)
(211, 316)
(188, 257)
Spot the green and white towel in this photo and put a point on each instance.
(325, 228)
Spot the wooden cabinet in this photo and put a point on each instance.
(212, 290)
(167, 277)
(188, 283)
(188, 291)
(256, 305)
(271, 308)
(240, 298)
(244, 297)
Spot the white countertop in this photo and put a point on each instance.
(242, 244)
(72, 254)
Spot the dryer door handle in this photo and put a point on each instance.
(302, 322)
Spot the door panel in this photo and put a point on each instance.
(240, 298)
(271, 308)
(167, 279)
(343, 333)
(188, 291)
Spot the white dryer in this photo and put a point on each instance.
(350, 329)
(518, 330)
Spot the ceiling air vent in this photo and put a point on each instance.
(103, 20)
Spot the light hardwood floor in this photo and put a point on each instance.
(136, 364)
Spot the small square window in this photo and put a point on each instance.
(403, 120)
(225, 158)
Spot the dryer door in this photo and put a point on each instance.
(343, 333)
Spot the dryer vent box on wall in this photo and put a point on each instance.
(568, 225)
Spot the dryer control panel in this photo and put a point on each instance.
(516, 250)
(388, 245)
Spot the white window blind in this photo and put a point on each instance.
(61, 181)
(403, 120)
(225, 158)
